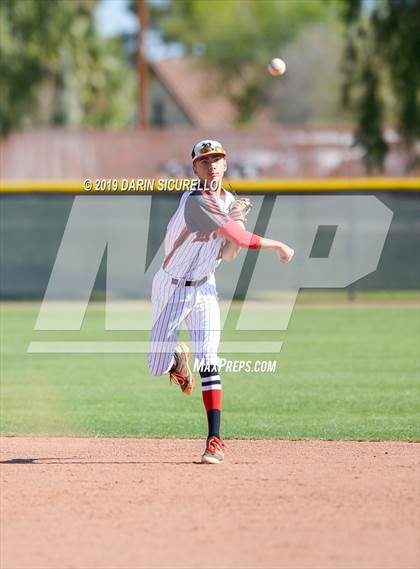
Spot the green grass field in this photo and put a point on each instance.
(343, 373)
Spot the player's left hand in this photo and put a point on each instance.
(240, 208)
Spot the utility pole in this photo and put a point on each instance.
(142, 67)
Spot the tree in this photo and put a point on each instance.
(382, 72)
(55, 69)
(236, 39)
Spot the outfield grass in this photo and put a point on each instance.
(343, 373)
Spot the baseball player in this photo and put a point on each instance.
(208, 226)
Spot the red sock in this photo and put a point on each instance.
(212, 399)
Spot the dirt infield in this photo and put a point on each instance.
(136, 503)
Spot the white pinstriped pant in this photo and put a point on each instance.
(171, 306)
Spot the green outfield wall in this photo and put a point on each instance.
(34, 217)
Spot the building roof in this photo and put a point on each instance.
(198, 93)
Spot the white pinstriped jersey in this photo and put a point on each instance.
(192, 245)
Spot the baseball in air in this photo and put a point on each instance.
(276, 67)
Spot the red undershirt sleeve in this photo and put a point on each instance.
(234, 232)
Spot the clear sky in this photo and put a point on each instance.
(113, 17)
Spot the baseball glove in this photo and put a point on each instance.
(240, 208)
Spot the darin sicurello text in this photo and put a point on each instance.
(164, 185)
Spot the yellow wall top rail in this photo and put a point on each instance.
(144, 186)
